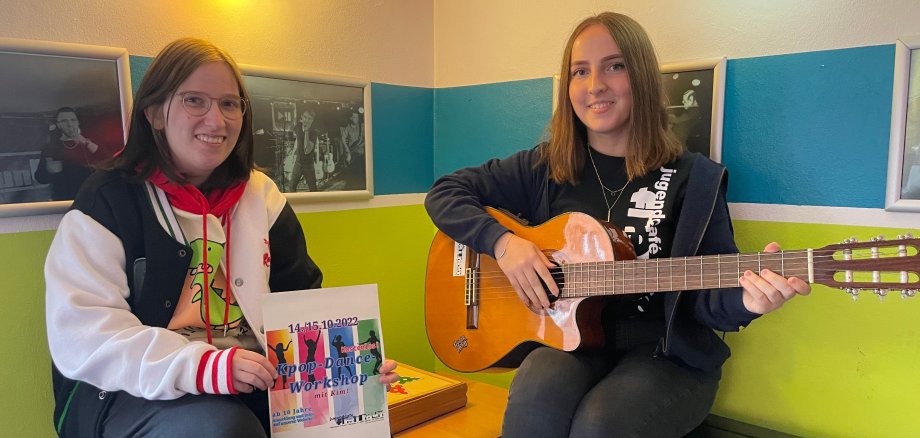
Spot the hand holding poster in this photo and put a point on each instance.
(327, 347)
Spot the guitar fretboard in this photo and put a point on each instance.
(675, 274)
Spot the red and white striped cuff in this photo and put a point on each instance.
(215, 372)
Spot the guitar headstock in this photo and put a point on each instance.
(879, 266)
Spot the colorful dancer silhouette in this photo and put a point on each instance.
(279, 353)
(311, 351)
(339, 347)
(375, 351)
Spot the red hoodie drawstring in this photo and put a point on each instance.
(219, 202)
(204, 267)
(225, 221)
(229, 289)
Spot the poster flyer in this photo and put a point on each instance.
(328, 348)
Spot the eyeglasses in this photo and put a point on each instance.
(198, 104)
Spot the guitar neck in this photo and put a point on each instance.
(677, 274)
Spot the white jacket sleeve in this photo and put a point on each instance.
(92, 334)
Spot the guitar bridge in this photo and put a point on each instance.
(472, 295)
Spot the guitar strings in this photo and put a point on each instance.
(699, 262)
(710, 260)
(632, 280)
(508, 292)
(691, 284)
(669, 276)
(635, 285)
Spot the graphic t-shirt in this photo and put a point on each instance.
(645, 209)
(228, 326)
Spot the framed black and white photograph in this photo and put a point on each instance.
(695, 92)
(312, 133)
(903, 188)
(63, 110)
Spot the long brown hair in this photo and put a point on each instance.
(651, 142)
(147, 150)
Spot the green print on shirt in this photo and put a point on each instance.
(216, 298)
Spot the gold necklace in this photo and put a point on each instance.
(605, 189)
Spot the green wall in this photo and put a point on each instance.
(822, 366)
(26, 404)
(387, 246)
(825, 365)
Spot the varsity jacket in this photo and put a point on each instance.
(455, 204)
(113, 279)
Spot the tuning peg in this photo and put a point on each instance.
(908, 293)
(909, 235)
(881, 294)
(854, 292)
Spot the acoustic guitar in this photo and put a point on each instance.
(475, 320)
(330, 163)
(318, 167)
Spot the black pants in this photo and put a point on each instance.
(206, 415)
(304, 168)
(622, 392)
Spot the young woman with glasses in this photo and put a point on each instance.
(155, 276)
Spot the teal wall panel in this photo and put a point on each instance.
(813, 127)
(475, 123)
(403, 137)
(810, 127)
(138, 65)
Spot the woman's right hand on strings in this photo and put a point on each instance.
(525, 265)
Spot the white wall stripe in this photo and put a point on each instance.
(44, 222)
(375, 202)
(808, 214)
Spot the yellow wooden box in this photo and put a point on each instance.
(420, 396)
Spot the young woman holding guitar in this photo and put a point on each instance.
(610, 155)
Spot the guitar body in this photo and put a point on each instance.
(318, 168)
(330, 164)
(497, 330)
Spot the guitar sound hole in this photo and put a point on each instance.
(556, 272)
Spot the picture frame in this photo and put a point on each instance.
(695, 92)
(902, 191)
(335, 162)
(65, 108)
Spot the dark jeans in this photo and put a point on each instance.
(206, 415)
(626, 392)
(303, 169)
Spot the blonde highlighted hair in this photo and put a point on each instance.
(651, 142)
